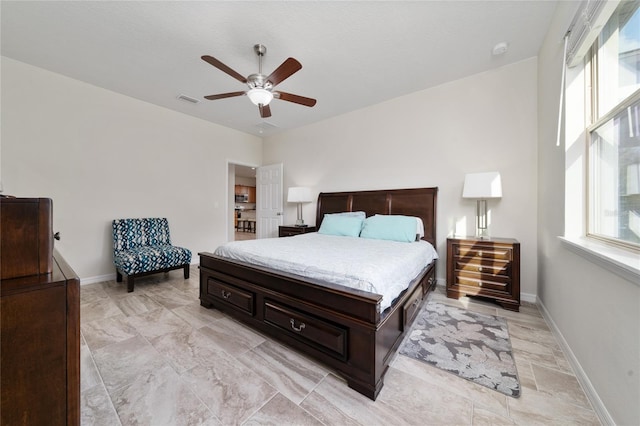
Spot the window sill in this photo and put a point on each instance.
(624, 263)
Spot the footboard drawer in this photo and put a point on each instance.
(411, 307)
(313, 331)
(232, 295)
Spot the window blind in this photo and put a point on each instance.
(586, 26)
(583, 31)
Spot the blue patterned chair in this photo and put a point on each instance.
(143, 247)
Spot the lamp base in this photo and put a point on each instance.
(299, 221)
(482, 234)
(481, 220)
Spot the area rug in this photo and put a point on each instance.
(473, 346)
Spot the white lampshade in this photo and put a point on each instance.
(299, 194)
(260, 96)
(482, 185)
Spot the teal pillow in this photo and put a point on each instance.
(390, 227)
(348, 226)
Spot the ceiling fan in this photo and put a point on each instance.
(261, 91)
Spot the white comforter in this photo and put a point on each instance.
(376, 266)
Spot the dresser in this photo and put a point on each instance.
(484, 267)
(288, 231)
(39, 321)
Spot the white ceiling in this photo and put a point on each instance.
(353, 53)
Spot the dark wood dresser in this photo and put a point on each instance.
(40, 329)
(484, 267)
(288, 231)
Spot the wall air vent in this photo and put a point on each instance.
(188, 99)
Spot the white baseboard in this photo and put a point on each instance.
(583, 379)
(97, 279)
(108, 277)
(528, 297)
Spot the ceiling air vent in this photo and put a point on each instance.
(264, 126)
(188, 99)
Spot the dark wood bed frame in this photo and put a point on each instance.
(339, 326)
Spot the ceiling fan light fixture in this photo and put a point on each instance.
(260, 96)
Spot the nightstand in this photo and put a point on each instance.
(288, 231)
(484, 267)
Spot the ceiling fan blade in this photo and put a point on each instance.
(296, 99)
(222, 67)
(224, 95)
(265, 111)
(284, 71)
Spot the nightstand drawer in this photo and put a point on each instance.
(493, 252)
(481, 282)
(497, 268)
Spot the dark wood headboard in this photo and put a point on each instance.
(420, 202)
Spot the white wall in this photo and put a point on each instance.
(101, 155)
(485, 122)
(596, 312)
(246, 181)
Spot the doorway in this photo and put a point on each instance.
(242, 187)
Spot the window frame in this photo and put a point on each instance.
(594, 122)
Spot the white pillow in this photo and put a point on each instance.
(419, 228)
(362, 215)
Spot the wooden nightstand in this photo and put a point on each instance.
(484, 267)
(288, 231)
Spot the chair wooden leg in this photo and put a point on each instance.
(186, 271)
(129, 284)
(118, 276)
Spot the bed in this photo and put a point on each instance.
(345, 328)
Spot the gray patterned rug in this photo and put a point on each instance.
(473, 346)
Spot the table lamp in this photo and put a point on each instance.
(299, 194)
(482, 186)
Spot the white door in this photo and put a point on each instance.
(268, 200)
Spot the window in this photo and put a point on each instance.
(614, 144)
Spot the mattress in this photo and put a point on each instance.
(376, 266)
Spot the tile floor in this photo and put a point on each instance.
(241, 236)
(156, 357)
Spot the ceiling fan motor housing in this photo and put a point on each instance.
(259, 81)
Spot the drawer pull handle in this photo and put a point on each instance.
(225, 294)
(479, 268)
(293, 325)
(479, 284)
(480, 253)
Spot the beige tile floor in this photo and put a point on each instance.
(156, 357)
(241, 236)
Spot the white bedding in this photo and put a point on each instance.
(377, 266)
